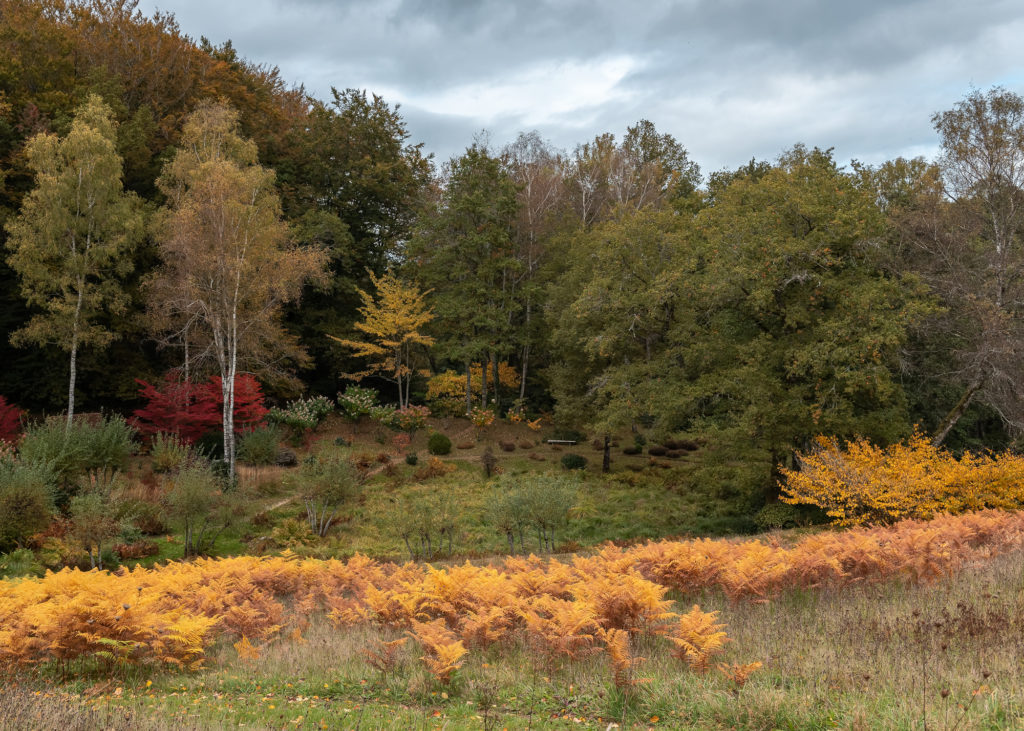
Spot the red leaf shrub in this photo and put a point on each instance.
(10, 421)
(191, 410)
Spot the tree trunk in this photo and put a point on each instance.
(469, 387)
(522, 377)
(74, 357)
(954, 415)
(483, 382)
(497, 392)
(606, 462)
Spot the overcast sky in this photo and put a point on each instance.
(729, 79)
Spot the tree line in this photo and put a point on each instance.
(170, 206)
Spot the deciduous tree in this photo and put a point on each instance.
(394, 322)
(228, 261)
(71, 244)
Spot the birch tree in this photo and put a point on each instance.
(71, 244)
(228, 263)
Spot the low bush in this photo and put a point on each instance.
(433, 468)
(507, 446)
(356, 402)
(26, 501)
(465, 444)
(168, 453)
(574, 462)
(657, 451)
(526, 444)
(95, 448)
(259, 446)
(439, 444)
(412, 459)
(632, 450)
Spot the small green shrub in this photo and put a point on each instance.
(775, 516)
(439, 444)
(98, 450)
(259, 446)
(200, 509)
(168, 453)
(631, 450)
(26, 501)
(574, 462)
(19, 562)
(412, 459)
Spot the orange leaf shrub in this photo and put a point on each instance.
(859, 483)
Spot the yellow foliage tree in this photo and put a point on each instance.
(393, 321)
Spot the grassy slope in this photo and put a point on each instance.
(625, 505)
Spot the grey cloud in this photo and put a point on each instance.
(731, 79)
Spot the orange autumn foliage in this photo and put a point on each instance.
(170, 614)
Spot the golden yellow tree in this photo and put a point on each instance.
(393, 321)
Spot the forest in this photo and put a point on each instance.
(617, 282)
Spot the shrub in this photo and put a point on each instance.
(95, 449)
(631, 450)
(200, 508)
(860, 483)
(168, 453)
(465, 444)
(356, 402)
(574, 462)
(507, 446)
(10, 421)
(410, 418)
(657, 451)
(26, 501)
(489, 462)
(526, 444)
(481, 417)
(439, 444)
(412, 459)
(259, 446)
(326, 483)
(147, 517)
(93, 524)
(775, 516)
(434, 468)
(135, 550)
(19, 562)
(383, 415)
(539, 501)
(302, 415)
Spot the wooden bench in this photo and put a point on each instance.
(561, 441)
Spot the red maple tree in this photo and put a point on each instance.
(191, 410)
